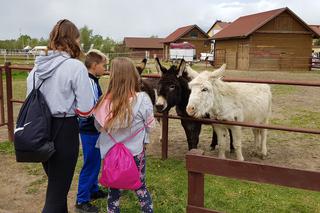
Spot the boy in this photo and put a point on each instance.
(88, 180)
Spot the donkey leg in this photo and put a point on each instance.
(221, 133)
(214, 141)
(257, 138)
(231, 141)
(192, 130)
(236, 134)
(264, 142)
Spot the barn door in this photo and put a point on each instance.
(219, 57)
(243, 57)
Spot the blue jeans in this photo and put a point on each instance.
(88, 179)
(142, 193)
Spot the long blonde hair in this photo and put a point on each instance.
(123, 85)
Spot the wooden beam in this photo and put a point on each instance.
(260, 173)
(283, 32)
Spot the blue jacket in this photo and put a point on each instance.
(87, 124)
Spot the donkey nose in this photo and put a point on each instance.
(190, 110)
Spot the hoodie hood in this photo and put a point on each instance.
(45, 65)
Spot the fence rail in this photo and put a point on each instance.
(165, 117)
(198, 165)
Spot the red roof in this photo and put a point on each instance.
(183, 45)
(246, 25)
(150, 43)
(178, 33)
(316, 28)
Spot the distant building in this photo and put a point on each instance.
(191, 34)
(138, 45)
(316, 46)
(216, 27)
(271, 40)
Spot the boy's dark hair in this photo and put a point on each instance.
(94, 56)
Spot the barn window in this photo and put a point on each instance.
(194, 34)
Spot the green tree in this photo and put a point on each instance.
(97, 41)
(23, 41)
(85, 36)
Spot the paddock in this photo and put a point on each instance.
(294, 106)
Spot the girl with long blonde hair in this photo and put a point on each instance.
(121, 112)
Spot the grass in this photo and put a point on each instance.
(283, 89)
(167, 182)
(302, 118)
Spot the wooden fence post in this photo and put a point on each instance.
(195, 185)
(9, 100)
(164, 140)
(2, 119)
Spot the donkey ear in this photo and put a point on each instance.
(159, 67)
(182, 68)
(191, 72)
(142, 66)
(219, 72)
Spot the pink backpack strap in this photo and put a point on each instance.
(132, 136)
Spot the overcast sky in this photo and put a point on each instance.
(143, 18)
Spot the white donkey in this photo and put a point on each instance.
(211, 97)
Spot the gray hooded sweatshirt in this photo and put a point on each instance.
(142, 110)
(67, 88)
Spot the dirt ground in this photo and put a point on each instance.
(294, 150)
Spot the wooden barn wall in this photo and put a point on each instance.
(284, 22)
(235, 53)
(280, 51)
(141, 52)
(281, 44)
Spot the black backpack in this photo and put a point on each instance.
(32, 136)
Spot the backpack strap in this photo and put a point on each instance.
(34, 81)
(131, 136)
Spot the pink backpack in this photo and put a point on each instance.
(119, 169)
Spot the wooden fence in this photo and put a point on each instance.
(198, 165)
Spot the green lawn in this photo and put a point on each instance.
(167, 182)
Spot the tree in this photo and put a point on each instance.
(97, 41)
(85, 36)
(23, 41)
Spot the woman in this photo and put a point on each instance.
(65, 88)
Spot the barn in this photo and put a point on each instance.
(191, 34)
(140, 47)
(272, 40)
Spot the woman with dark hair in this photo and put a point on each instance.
(64, 83)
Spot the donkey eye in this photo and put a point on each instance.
(172, 87)
(204, 90)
